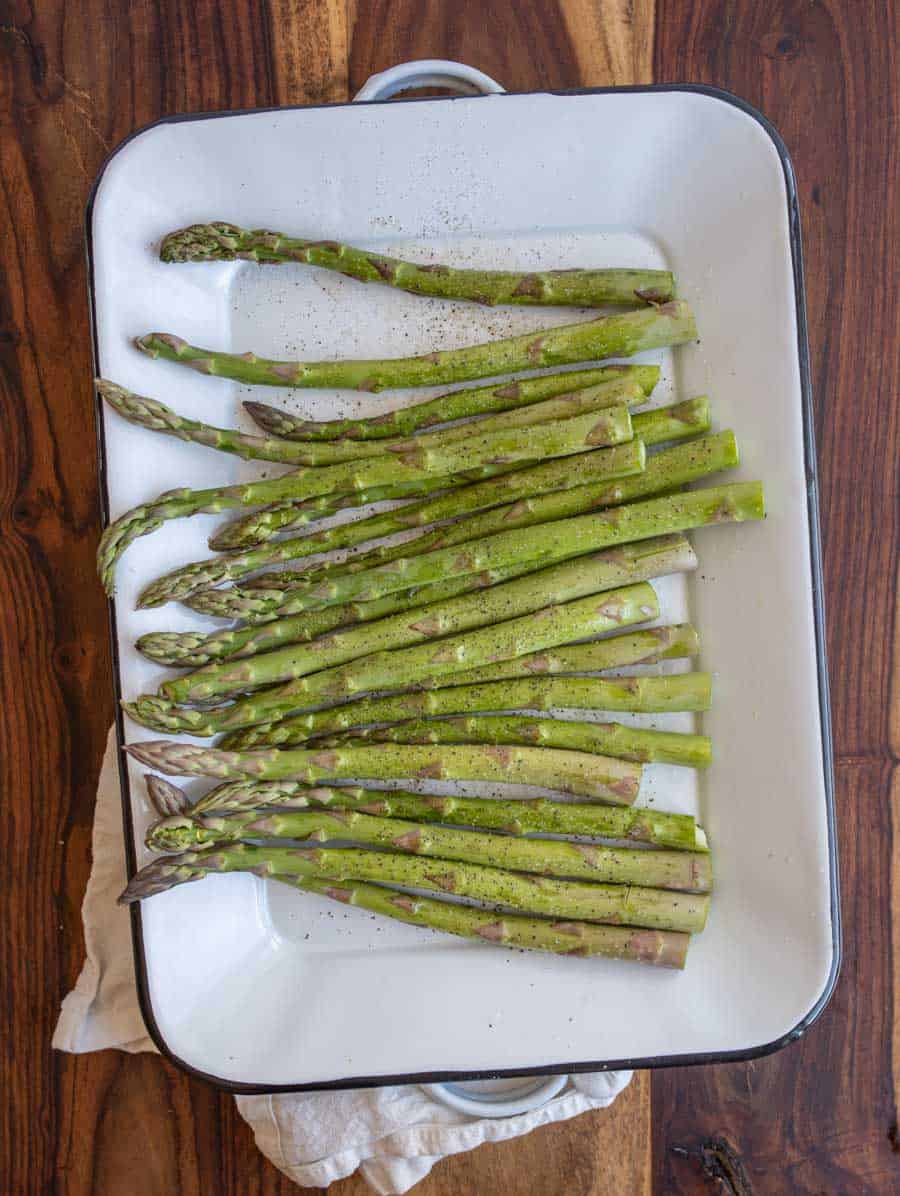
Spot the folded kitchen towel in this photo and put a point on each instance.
(392, 1135)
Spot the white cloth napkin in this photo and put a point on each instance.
(393, 1135)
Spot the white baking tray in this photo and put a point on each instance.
(259, 987)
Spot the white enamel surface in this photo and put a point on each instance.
(255, 983)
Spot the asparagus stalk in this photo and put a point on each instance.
(649, 646)
(608, 739)
(615, 781)
(615, 905)
(257, 607)
(155, 416)
(686, 871)
(555, 624)
(617, 462)
(663, 948)
(261, 525)
(223, 242)
(457, 404)
(668, 423)
(545, 544)
(544, 508)
(522, 817)
(686, 691)
(606, 336)
(609, 426)
(289, 514)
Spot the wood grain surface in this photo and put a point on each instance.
(820, 1116)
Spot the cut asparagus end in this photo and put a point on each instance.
(173, 834)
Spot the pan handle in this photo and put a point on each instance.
(428, 72)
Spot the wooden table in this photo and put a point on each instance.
(820, 1116)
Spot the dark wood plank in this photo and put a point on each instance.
(544, 43)
(821, 1115)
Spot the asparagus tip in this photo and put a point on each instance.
(167, 799)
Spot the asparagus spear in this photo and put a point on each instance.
(649, 646)
(660, 947)
(606, 336)
(261, 525)
(223, 242)
(457, 404)
(653, 427)
(616, 905)
(609, 426)
(608, 739)
(615, 781)
(288, 514)
(604, 570)
(544, 508)
(545, 544)
(521, 817)
(686, 691)
(149, 413)
(617, 462)
(544, 628)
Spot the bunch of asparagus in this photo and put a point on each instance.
(470, 606)
(589, 900)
